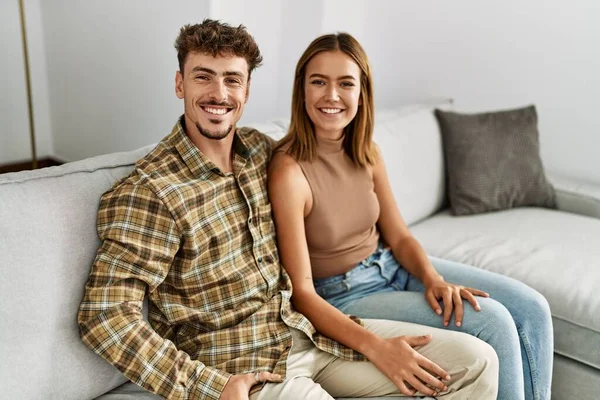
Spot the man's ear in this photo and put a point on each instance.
(179, 85)
(247, 90)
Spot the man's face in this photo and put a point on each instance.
(214, 91)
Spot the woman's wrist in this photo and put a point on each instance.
(370, 347)
(432, 277)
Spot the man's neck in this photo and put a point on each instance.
(217, 151)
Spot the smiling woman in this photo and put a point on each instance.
(347, 249)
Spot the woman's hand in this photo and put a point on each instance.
(451, 295)
(409, 370)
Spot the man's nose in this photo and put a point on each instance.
(218, 91)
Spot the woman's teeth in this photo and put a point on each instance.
(331, 110)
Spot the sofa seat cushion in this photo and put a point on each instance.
(554, 252)
(130, 391)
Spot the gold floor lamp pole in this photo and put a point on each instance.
(28, 83)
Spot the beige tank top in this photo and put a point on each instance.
(341, 226)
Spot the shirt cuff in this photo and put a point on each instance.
(211, 383)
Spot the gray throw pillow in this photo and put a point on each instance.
(493, 161)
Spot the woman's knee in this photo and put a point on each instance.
(538, 303)
(530, 308)
(493, 317)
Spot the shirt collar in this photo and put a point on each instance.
(195, 160)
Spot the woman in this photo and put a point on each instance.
(342, 238)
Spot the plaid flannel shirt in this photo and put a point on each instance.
(202, 245)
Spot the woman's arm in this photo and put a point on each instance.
(410, 254)
(291, 199)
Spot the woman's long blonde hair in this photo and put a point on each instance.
(300, 141)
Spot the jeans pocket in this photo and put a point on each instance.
(331, 287)
(393, 273)
(387, 265)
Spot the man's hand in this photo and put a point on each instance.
(452, 296)
(403, 365)
(238, 386)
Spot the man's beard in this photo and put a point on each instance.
(219, 135)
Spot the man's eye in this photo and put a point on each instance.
(201, 77)
(233, 81)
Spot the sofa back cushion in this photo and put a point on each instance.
(411, 143)
(48, 241)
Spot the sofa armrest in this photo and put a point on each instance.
(576, 196)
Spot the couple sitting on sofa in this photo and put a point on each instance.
(192, 226)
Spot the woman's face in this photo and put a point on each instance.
(331, 92)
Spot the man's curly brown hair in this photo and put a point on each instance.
(217, 39)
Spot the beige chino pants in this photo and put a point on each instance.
(315, 374)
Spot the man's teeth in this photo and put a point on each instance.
(216, 111)
(331, 110)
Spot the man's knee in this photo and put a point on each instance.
(293, 388)
(483, 367)
(483, 357)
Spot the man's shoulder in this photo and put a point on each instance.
(253, 137)
(161, 164)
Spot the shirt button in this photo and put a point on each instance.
(250, 221)
(259, 259)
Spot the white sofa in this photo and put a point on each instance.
(48, 241)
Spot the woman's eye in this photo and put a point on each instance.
(347, 84)
(317, 82)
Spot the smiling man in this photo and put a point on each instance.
(192, 228)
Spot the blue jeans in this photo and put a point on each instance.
(515, 320)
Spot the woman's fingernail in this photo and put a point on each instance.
(438, 311)
(458, 323)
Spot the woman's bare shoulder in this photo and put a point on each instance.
(284, 167)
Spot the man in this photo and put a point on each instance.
(192, 227)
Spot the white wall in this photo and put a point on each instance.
(283, 30)
(498, 54)
(14, 127)
(111, 63)
(39, 78)
(264, 22)
(111, 68)
(15, 144)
